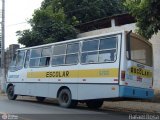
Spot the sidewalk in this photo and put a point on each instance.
(135, 106)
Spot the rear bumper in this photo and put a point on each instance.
(133, 92)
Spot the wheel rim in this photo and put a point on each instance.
(64, 98)
(10, 92)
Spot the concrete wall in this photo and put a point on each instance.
(155, 40)
(126, 27)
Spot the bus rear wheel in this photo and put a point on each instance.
(94, 104)
(10, 93)
(65, 99)
(40, 99)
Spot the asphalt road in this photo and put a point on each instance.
(29, 109)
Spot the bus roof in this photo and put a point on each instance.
(74, 40)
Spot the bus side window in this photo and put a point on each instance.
(99, 51)
(59, 52)
(26, 64)
(35, 57)
(72, 53)
(90, 51)
(107, 49)
(45, 57)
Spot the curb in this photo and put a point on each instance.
(129, 110)
(136, 108)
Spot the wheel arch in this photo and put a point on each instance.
(9, 84)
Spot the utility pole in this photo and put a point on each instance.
(3, 79)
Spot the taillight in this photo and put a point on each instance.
(123, 75)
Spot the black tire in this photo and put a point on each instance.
(10, 93)
(65, 99)
(40, 99)
(94, 104)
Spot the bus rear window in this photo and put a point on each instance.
(141, 51)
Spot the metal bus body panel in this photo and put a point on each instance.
(138, 82)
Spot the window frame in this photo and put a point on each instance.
(50, 47)
(35, 57)
(58, 55)
(65, 55)
(99, 39)
(78, 53)
(15, 67)
(39, 58)
(128, 46)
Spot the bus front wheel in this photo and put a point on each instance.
(65, 99)
(10, 93)
(94, 104)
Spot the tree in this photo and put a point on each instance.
(29, 38)
(47, 26)
(87, 10)
(55, 20)
(147, 14)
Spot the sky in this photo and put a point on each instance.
(17, 12)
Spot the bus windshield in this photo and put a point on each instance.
(141, 51)
(13, 61)
(17, 61)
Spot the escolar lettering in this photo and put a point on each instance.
(57, 74)
(140, 71)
